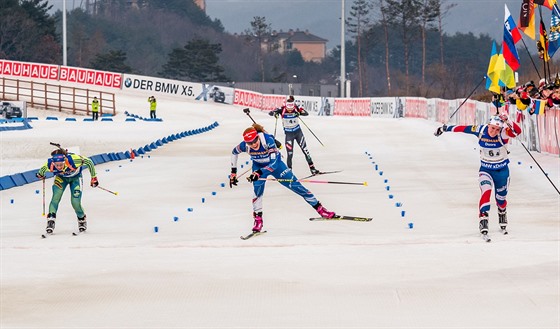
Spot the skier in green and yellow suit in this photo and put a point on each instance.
(67, 169)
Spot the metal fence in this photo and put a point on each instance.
(56, 97)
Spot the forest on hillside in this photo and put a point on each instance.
(393, 47)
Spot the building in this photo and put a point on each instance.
(311, 47)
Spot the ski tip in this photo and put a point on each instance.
(365, 183)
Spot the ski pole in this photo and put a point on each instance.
(472, 92)
(243, 173)
(248, 112)
(535, 160)
(43, 196)
(275, 125)
(104, 189)
(312, 181)
(311, 131)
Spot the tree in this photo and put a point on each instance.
(429, 11)
(113, 61)
(404, 14)
(197, 60)
(385, 25)
(27, 32)
(259, 32)
(357, 23)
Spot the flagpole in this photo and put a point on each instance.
(531, 58)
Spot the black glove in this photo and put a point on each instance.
(254, 176)
(233, 178)
(440, 130)
(273, 113)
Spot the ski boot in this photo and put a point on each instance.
(323, 211)
(50, 223)
(313, 170)
(82, 224)
(258, 221)
(502, 219)
(483, 225)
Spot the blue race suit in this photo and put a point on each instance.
(267, 158)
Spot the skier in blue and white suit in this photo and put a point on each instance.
(494, 171)
(267, 161)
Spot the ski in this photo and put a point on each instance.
(322, 173)
(252, 234)
(77, 233)
(45, 235)
(486, 238)
(504, 231)
(342, 217)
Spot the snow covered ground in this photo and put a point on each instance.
(195, 272)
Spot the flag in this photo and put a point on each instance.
(492, 78)
(542, 44)
(538, 106)
(527, 18)
(507, 77)
(547, 3)
(554, 38)
(511, 37)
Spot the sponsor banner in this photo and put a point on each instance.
(548, 131)
(309, 103)
(467, 113)
(28, 70)
(90, 77)
(326, 107)
(385, 107)
(416, 107)
(214, 93)
(272, 102)
(149, 85)
(442, 110)
(352, 106)
(247, 98)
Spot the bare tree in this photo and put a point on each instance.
(357, 23)
(404, 14)
(259, 32)
(444, 10)
(429, 12)
(385, 25)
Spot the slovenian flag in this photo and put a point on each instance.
(511, 37)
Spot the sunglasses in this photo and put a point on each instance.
(253, 142)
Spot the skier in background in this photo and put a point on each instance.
(494, 171)
(267, 162)
(67, 169)
(289, 114)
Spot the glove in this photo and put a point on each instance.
(94, 182)
(272, 113)
(504, 117)
(440, 130)
(39, 176)
(233, 178)
(254, 176)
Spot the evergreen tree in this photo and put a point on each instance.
(196, 61)
(27, 32)
(113, 61)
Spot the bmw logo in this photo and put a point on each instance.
(128, 82)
